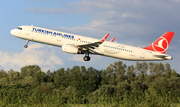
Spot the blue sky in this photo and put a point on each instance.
(132, 22)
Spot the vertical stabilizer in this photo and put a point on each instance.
(162, 43)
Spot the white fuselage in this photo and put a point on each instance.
(107, 48)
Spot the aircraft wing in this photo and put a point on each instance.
(90, 47)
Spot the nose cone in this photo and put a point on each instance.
(12, 32)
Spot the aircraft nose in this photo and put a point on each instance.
(12, 32)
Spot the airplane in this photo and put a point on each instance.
(76, 44)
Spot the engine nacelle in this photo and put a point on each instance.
(71, 49)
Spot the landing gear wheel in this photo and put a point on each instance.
(86, 58)
(25, 46)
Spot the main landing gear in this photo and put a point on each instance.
(86, 57)
(26, 46)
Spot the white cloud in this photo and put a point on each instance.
(177, 1)
(84, 6)
(130, 15)
(78, 58)
(35, 54)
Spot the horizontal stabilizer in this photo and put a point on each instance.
(164, 57)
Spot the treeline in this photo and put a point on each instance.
(145, 84)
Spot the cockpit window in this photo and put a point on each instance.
(19, 28)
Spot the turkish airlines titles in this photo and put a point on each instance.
(52, 33)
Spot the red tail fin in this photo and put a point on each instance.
(161, 44)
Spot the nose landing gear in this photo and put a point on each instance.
(26, 46)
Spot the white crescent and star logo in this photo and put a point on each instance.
(160, 45)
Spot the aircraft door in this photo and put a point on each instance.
(142, 54)
(28, 33)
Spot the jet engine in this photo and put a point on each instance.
(71, 49)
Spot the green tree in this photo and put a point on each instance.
(105, 90)
(142, 70)
(29, 70)
(156, 70)
(46, 88)
(83, 81)
(13, 77)
(93, 80)
(3, 78)
(168, 70)
(59, 78)
(39, 77)
(111, 75)
(120, 68)
(131, 73)
(104, 78)
(75, 76)
(28, 81)
(122, 87)
(137, 86)
(3, 74)
(67, 78)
